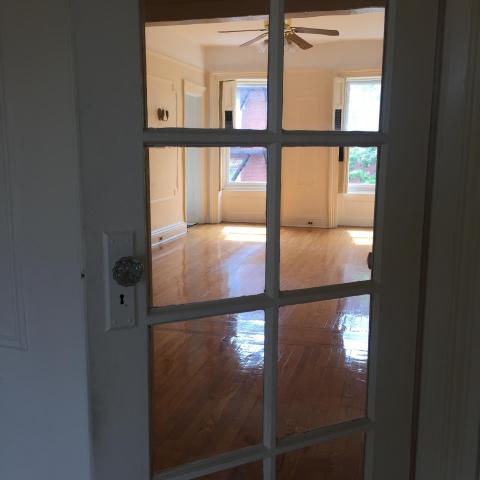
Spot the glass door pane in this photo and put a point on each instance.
(327, 215)
(322, 364)
(187, 44)
(331, 59)
(206, 387)
(206, 244)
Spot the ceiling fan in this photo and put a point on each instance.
(290, 33)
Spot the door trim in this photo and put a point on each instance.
(449, 409)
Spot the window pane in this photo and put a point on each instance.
(322, 364)
(196, 48)
(362, 104)
(207, 387)
(251, 471)
(206, 244)
(326, 232)
(362, 169)
(340, 459)
(251, 105)
(247, 165)
(327, 54)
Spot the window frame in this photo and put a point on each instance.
(225, 152)
(352, 188)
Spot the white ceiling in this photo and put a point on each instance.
(351, 27)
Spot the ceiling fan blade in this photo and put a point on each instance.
(253, 40)
(303, 44)
(317, 31)
(236, 31)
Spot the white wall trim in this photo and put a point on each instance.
(243, 217)
(354, 221)
(449, 410)
(333, 188)
(174, 60)
(15, 334)
(194, 89)
(318, 222)
(168, 233)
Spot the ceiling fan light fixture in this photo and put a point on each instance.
(293, 42)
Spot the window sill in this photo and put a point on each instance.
(372, 193)
(245, 188)
(367, 197)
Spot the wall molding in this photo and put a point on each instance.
(13, 331)
(165, 234)
(243, 217)
(333, 188)
(318, 222)
(167, 58)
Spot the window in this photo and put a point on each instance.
(362, 109)
(246, 168)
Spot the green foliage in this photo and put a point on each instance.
(362, 165)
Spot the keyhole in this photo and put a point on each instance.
(122, 299)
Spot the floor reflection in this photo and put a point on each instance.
(248, 341)
(323, 360)
(207, 377)
(227, 260)
(207, 387)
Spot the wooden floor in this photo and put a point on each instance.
(228, 260)
(207, 374)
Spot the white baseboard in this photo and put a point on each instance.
(317, 222)
(355, 221)
(168, 233)
(243, 217)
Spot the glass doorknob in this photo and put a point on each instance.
(127, 271)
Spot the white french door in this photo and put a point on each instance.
(113, 143)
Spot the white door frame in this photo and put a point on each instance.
(111, 139)
(449, 411)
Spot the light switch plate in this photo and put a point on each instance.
(120, 301)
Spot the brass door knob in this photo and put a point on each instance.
(127, 271)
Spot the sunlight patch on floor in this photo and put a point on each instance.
(244, 233)
(361, 237)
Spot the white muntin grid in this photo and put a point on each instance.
(274, 138)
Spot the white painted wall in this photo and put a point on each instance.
(169, 42)
(243, 207)
(338, 55)
(356, 209)
(305, 186)
(166, 77)
(44, 420)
